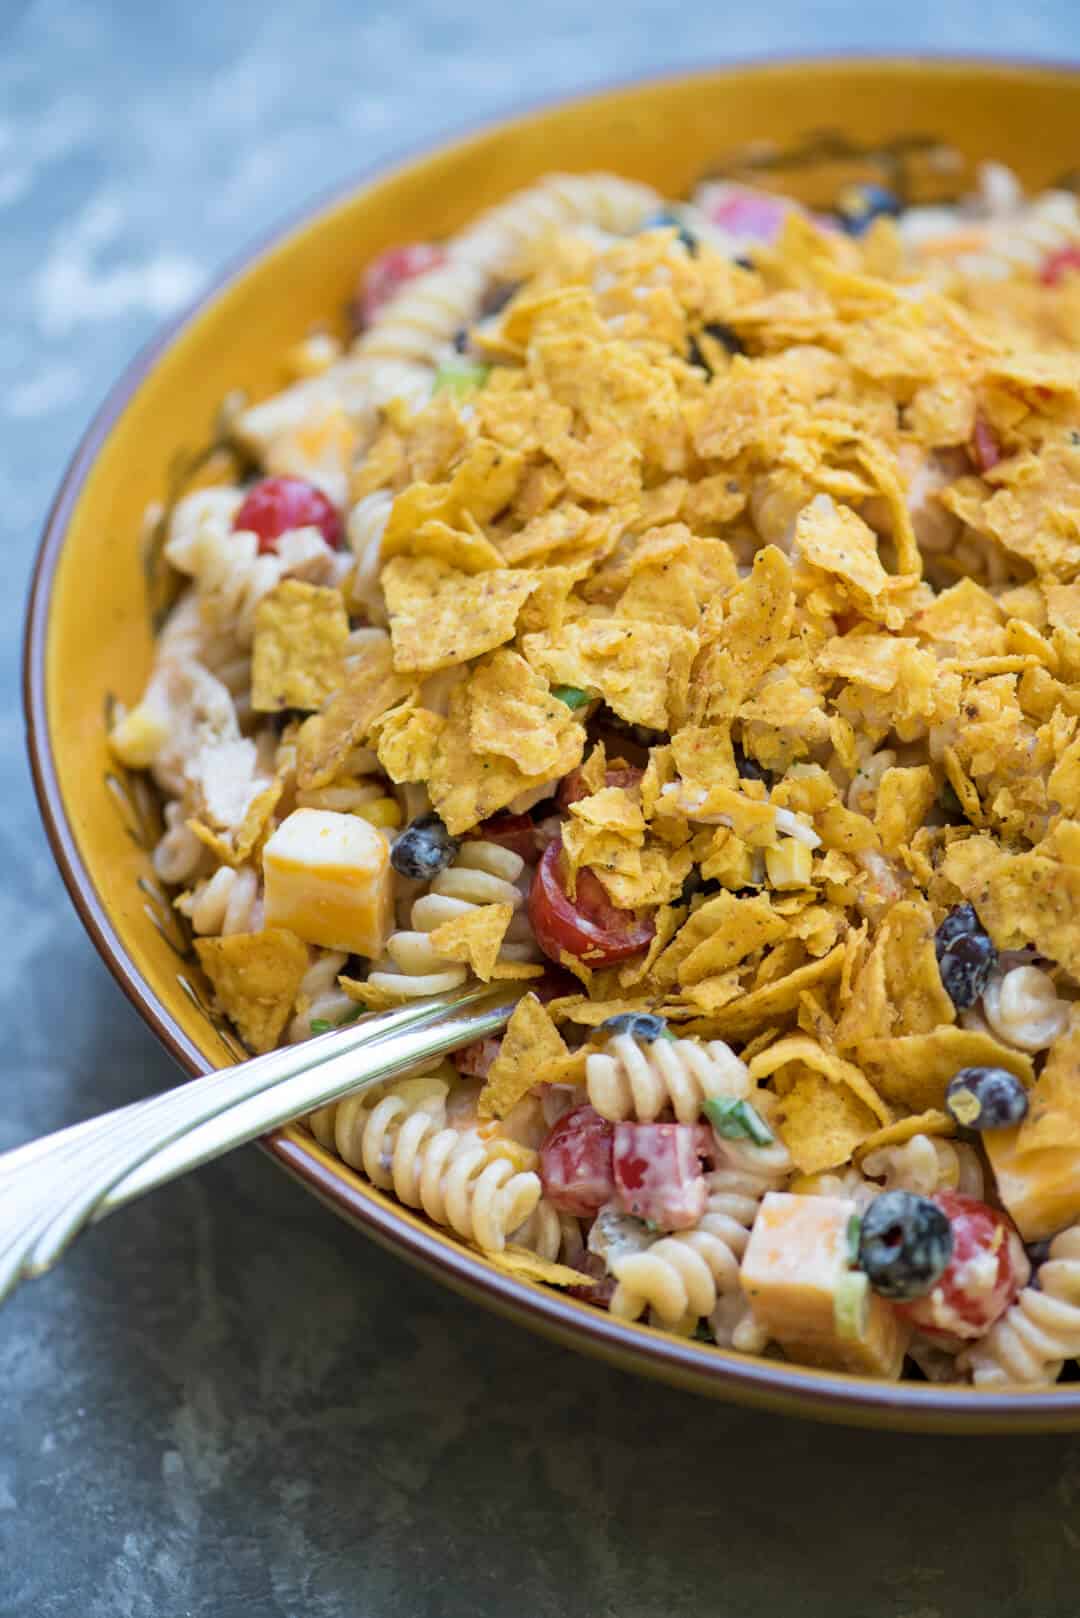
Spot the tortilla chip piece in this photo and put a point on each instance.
(405, 740)
(723, 932)
(369, 686)
(1030, 898)
(531, 1038)
(913, 981)
(475, 937)
(913, 1071)
(300, 635)
(513, 713)
(799, 1048)
(256, 978)
(1053, 1118)
(640, 669)
(745, 1017)
(835, 539)
(905, 796)
(739, 648)
(440, 617)
(821, 1123)
(531, 1267)
(903, 1130)
(466, 786)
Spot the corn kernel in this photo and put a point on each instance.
(788, 864)
(522, 1158)
(138, 737)
(380, 812)
(313, 356)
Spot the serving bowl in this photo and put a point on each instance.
(800, 126)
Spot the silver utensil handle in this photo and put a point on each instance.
(51, 1189)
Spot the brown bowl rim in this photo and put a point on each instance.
(774, 1385)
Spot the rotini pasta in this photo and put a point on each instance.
(926, 1164)
(227, 902)
(482, 873)
(682, 1277)
(321, 1005)
(1042, 1329)
(454, 1177)
(631, 1080)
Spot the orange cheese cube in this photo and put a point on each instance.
(794, 1272)
(1039, 1188)
(328, 879)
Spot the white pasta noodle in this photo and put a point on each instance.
(1023, 1008)
(632, 1080)
(365, 528)
(481, 874)
(230, 901)
(1034, 1338)
(681, 1277)
(179, 853)
(550, 1234)
(320, 999)
(926, 1164)
(456, 1178)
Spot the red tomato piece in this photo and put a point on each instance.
(475, 1060)
(1058, 264)
(658, 1174)
(515, 832)
(575, 1162)
(572, 788)
(749, 215)
(390, 271)
(987, 1269)
(985, 449)
(588, 925)
(275, 506)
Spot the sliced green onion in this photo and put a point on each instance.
(460, 377)
(319, 1025)
(854, 1229)
(572, 695)
(851, 1305)
(738, 1120)
(667, 1033)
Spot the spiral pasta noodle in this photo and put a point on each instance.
(366, 526)
(454, 1177)
(320, 1000)
(1023, 1008)
(681, 1277)
(926, 1164)
(631, 1080)
(227, 902)
(1032, 1341)
(481, 874)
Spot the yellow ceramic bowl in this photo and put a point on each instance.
(89, 633)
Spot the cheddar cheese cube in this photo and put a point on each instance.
(1039, 1188)
(328, 879)
(797, 1276)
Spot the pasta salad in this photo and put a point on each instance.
(674, 606)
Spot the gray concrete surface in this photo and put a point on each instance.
(225, 1403)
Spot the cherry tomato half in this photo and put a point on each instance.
(390, 271)
(589, 925)
(987, 1269)
(985, 449)
(1058, 264)
(275, 506)
(576, 1162)
(572, 787)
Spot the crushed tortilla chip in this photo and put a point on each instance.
(914, 1070)
(526, 1266)
(440, 616)
(475, 937)
(256, 978)
(299, 647)
(531, 1038)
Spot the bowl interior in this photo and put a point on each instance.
(801, 127)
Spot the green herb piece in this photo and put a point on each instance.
(667, 1033)
(851, 1305)
(572, 695)
(319, 1025)
(459, 377)
(854, 1228)
(738, 1120)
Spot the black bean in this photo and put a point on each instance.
(668, 221)
(905, 1244)
(749, 769)
(461, 340)
(859, 205)
(725, 335)
(966, 956)
(423, 849)
(640, 1025)
(986, 1098)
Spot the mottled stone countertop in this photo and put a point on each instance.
(226, 1403)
